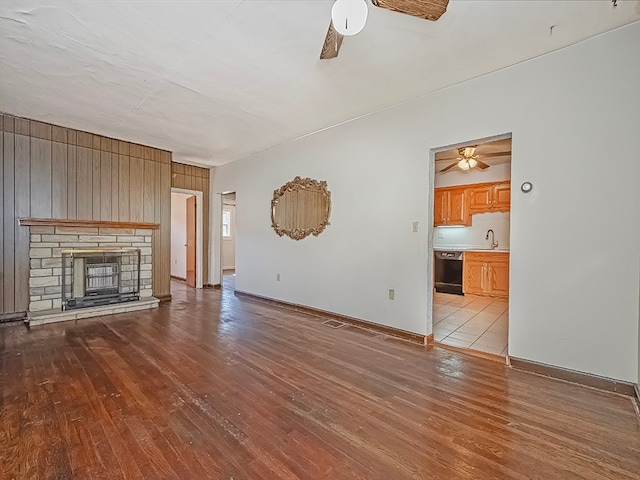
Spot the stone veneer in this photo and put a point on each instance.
(45, 254)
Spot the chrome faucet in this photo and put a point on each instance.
(494, 244)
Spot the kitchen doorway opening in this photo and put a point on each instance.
(469, 240)
(187, 237)
(228, 242)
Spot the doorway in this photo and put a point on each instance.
(187, 237)
(469, 245)
(228, 244)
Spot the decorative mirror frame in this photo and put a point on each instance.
(295, 185)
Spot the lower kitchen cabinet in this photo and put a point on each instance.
(486, 273)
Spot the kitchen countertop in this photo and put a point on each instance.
(470, 249)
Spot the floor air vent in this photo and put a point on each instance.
(333, 323)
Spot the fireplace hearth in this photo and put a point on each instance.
(99, 277)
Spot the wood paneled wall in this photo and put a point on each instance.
(196, 178)
(49, 171)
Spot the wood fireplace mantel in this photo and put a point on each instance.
(59, 222)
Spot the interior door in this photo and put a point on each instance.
(191, 242)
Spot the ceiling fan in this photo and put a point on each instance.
(349, 16)
(468, 159)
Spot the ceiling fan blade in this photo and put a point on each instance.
(449, 167)
(427, 9)
(495, 154)
(332, 43)
(481, 165)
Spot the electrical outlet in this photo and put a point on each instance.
(440, 234)
(277, 277)
(415, 227)
(392, 294)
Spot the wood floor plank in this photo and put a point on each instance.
(213, 386)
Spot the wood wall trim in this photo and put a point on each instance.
(59, 222)
(595, 381)
(391, 331)
(430, 340)
(164, 298)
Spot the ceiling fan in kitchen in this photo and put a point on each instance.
(348, 17)
(468, 158)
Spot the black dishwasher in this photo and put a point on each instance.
(448, 272)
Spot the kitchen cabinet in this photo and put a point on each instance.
(486, 273)
(450, 207)
(489, 197)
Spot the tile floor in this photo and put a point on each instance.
(478, 323)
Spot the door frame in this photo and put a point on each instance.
(233, 236)
(430, 217)
(199, 229)
(219, 250)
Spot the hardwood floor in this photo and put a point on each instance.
(211, 386)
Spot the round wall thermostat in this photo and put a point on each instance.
(526, 187)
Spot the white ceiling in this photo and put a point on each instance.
(214, 81)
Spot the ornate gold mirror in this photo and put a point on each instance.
(301, 208)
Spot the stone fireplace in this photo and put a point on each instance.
(81, 269)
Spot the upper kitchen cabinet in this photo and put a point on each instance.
(489, 197)
(450, 207)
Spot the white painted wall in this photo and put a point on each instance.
(575, 117)
(474, 236)
(229, 244)
(179, 234)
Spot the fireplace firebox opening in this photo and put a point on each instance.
(99, 277)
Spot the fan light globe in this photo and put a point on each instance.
(472, 162)
(463, 164)
(349, 16)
